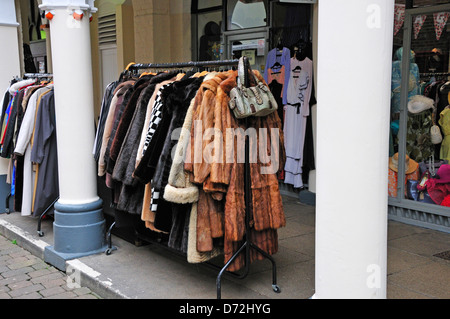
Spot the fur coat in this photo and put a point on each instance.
(216, 186)
(180, 189)
(122, 120)
(125, 145)
(115, 101)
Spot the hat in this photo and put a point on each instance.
(410, 164)
(419, 103)
(443, 174)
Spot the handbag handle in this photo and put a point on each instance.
(244, 71)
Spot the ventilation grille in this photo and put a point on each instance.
(107, 29)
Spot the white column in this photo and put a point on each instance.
(79, 226)
(354, 75)
(72, 73)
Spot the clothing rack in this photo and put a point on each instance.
(435, 74)
(8, 197)
(37, 75)
(247, 245)
(193, 64)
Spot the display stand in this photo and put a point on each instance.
(247, 245)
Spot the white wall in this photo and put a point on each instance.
(9, 54)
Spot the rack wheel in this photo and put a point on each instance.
(108, 251)
(40, 233)
(276, 288)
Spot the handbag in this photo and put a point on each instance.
(435, 131)
(436, 136)
(416, 193)
(250, 100)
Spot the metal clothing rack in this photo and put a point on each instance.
(426, 74)
(193, 64)
(44, 213)
(247, 245)
(37, 75)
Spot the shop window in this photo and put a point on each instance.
(209, 31)
(244, 14)
(207, 4)
(207, 18)
(420, 113)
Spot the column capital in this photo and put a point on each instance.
(68, 4)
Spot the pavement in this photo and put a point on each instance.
(418, 266)
(25, 276)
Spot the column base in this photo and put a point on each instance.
(78, 230)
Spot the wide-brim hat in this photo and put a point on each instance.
(410, 164)
(443, 174)
(420, 103)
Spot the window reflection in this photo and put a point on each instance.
(243, 14)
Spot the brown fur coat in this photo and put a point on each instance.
(221, 204)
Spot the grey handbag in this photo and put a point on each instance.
(250, 100)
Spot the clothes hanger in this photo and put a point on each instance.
(279, 47)
(145, 73)
(296, 50)
(445, 87)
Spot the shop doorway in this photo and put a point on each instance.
(251, 44)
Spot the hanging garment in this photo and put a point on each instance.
(152, 121)
(130, 126)
(444, 122)
(104, 110)
(44, 153)
(152, 118)
(6, 103)
(177, 105)
(198, 207)
(126, 159)
(24, 145)
(264, 187)
(115, 101)
(276, 75)
(123, 122)
(123, 172)
(296, 113)
(180, 190)
(7, 141)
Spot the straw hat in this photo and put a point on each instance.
(410, 164)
